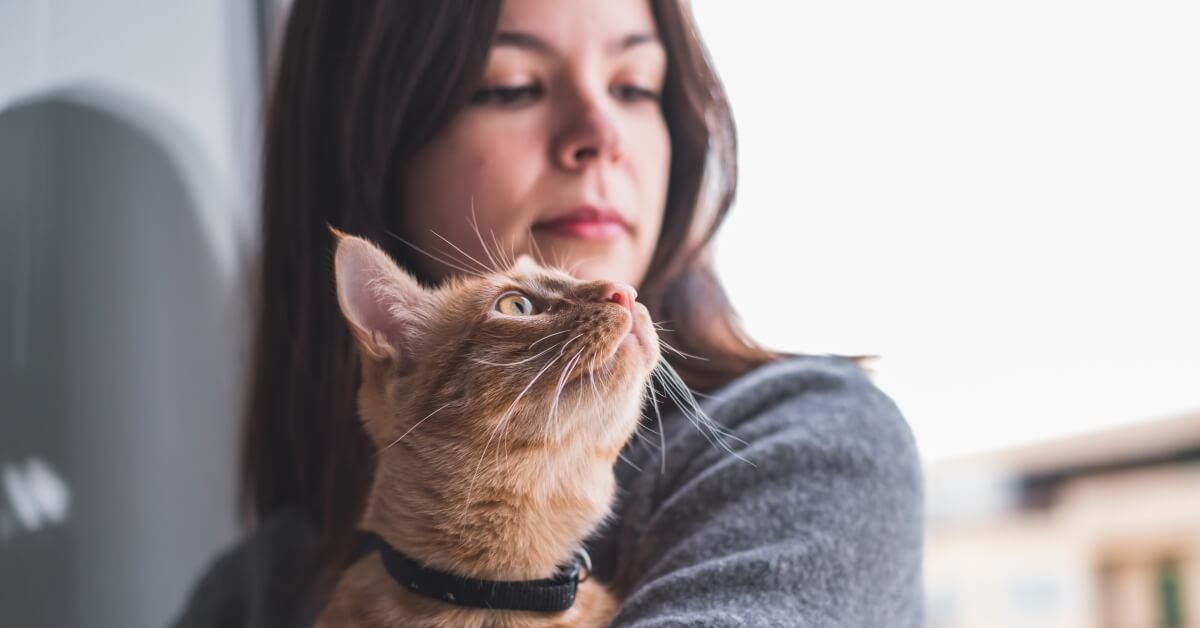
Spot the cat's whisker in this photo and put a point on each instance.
(649, 427)
(674, 387)
(565, 331)
(655, 400)
(662, 433)
(448, 263)
(474, 222)
(532, 357)
(664, 344)
(605, 370)
(464, 253)
(675, 382)
(461, 266)
(561, 383)
(418, 423)
(681, 395)
(579, 262)
(562, 378)
(643, 438)
(537, 251)
(508, 261)
(674, 396)
(504, 419)
(512, 249)
(662, 326)
(645, 423)
(496, 245)
(629, 462)
(512, 406)
(592, 379)
(568, 343)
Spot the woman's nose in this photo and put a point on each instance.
(589, 134)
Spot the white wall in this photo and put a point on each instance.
(1001, 199)
(128, 140)
(190, 64)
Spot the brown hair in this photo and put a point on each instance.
(359, 88)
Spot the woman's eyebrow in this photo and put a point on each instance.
(633, 40)
(533, 43)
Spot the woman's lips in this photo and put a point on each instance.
(586, 223)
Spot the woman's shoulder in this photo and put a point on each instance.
(821, 393)
(795, 498)
(265, 579)
(813, 409)
(793, 373)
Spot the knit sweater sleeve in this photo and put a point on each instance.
(812, 515)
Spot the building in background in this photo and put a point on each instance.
(1096, 531)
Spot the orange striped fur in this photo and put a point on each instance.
(496, 433)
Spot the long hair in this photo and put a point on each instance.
(359, 88)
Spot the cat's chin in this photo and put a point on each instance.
(634, 349)
(626, 366)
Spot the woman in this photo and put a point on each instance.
(595, 133)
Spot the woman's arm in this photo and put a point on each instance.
(265, 581)
(819, 525)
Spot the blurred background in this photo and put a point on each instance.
(1001, 200)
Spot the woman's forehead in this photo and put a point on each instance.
(554, 26)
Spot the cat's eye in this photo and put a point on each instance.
(515, 304)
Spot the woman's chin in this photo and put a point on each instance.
(620, 258)
(591, 264)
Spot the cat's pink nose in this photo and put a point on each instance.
(621, 293)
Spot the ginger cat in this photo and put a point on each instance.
(498, 404)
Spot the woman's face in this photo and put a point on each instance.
(563, 151)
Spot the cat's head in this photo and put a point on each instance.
(517, 358)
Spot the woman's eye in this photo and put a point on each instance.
(506, 95)
(514, 304)
(634, 93)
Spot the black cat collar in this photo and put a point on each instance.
(548, 594)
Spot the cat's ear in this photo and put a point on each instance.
(379, 300)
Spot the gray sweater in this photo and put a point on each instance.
(824, 528)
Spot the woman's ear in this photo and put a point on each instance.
(380, 301)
